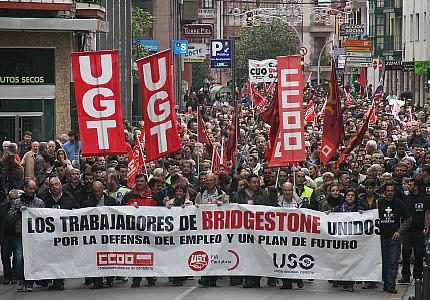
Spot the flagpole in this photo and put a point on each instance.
(277, 177)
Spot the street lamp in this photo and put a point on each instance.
(319, 60)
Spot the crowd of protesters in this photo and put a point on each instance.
(389, 171)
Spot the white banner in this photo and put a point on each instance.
(263, 71)
(196, 53)
(196, 241)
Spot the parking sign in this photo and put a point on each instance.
(180, 46)
(220, 54)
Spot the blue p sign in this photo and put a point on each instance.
(221, 54)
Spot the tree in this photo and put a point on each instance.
(200, 72)
(264, 42)
(141, 24)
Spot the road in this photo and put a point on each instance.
(317, 290)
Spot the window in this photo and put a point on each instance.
(424, 31)
(207, 3)
(380, 25)
(417, 27)
(411, 28)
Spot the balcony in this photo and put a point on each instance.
(387, 45)
(53, 5)
(90, 9)
(86, 9)
(325, 59)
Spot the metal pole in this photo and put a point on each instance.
(179, 57)
(426, 282)
(235, 101)
(418, 284)
(319, 61)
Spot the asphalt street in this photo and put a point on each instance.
(75, 289)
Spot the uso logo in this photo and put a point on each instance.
(198, 261)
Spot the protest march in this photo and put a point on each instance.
(282, 180)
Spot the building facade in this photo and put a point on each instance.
(416, 47)
(36, 41)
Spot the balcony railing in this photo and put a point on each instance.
(76, 8)
(57, 5)
(387, 44)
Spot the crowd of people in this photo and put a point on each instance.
(388, 171)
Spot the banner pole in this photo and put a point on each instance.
(143, 158)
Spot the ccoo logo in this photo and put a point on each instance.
(198, 261)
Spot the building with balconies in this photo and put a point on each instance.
(36, 41)
(385, 30)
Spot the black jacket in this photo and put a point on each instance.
(260, 198)
(6, 228)
(66, 201)
(92, 201)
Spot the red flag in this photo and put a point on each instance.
(372, 119)
(358, 137)
(271, 117)
(161, 128)
(201, 129)
(349, 98)
(98, 102)
(135, 161)
(362, 79)
(216, 161)
(333, 131)
(257, 98)
(310, 115)
(289, 146)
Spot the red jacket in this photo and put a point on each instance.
(146, 200)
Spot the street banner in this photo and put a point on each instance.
(158, 105)
(98, 102)
(263, 71)
(289, 145)
(230, 240)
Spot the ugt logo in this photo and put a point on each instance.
(305, 261)
(198, 261)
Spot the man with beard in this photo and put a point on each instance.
(83, 194)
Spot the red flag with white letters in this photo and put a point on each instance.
(289, 146)
(98, 102)
(310, 115)
(161, 130)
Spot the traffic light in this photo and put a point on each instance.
(302, 63)
(249, 21)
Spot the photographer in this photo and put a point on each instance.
(14, 170)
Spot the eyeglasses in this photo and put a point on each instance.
(13, 198)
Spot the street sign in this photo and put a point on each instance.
(303, 51)
(358, 45)
(349, 30)
(206, 13)
(393, 65)
(338, 51)
(408, 66)
(421, 67)
(150, 45)
(359, 59)
(180, 46)
(381, 64)
(197, 30)
(196, 53)
(221, 54)
(358, 54)
(375, 64)
(357, 64)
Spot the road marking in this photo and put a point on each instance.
(185, 293)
